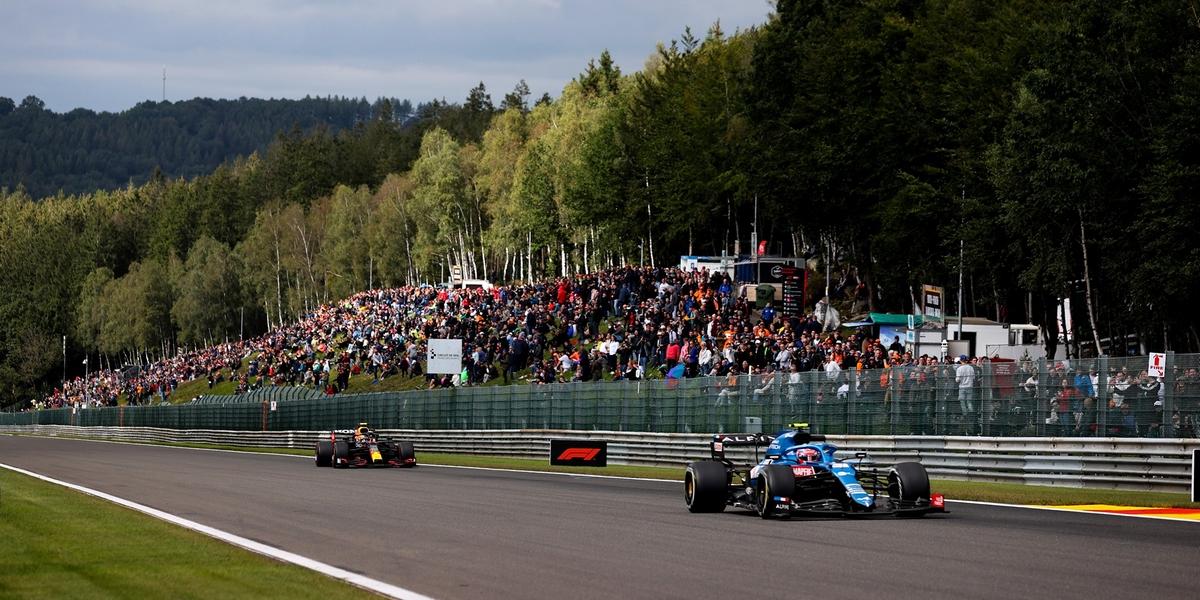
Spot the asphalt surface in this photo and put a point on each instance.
(462, 533)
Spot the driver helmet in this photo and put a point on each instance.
(362, 430)
(808, 455)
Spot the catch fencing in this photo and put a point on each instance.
(1111, 463)
(1097, 398)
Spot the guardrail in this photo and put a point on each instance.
(1111, 463)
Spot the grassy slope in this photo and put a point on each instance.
(62, 544)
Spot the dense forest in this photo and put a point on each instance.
(1052, 144)
(82, 151)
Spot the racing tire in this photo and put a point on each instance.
(341, 454)
(706, 486)
(406, 451)
(777, 480)
(324, 453)
(908, 482)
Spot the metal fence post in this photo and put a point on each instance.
(1041, 402)
(1169, 396)
(1102, 397)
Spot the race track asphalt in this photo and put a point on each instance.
(463, 533)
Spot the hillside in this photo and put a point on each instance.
(83, 151)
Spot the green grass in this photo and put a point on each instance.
(199, 387)
(1015, 493)
(62, 544)
(1006, 493)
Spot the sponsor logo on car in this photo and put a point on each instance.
(799, 471)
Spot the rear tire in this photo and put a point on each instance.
(406, 451)
(324, 452)
(706, 486)
(341, 454)
(777, 480)
(908, 482)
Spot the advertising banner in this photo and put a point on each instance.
(579, 453)
(444, 356)
(931, 304)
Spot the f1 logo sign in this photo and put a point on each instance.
(578, 453)
(585, 453)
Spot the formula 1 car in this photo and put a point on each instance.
(799, 475)
(362, 447)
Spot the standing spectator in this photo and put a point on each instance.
(1065, 397)
(964, 376)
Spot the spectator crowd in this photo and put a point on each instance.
(619, 324)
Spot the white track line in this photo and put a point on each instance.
(1071, 510)
(361, 581)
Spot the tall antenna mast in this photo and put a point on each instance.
(164, 83)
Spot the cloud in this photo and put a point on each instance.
(110, 55)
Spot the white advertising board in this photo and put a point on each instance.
(444, 356)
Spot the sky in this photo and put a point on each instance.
(109, 55)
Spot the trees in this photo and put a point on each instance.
(1057, 141)
(447, 223)
(81, 151)
(207, 294)
(347, 256)
(518, 98)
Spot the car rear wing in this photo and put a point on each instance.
(721, 441)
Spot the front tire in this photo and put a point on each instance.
(324, 452)
(341, 454)
(908, 482)
(776, 480)
(706, 486)
(406, 451)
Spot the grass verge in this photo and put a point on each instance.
(62, 544)
(1005, 493)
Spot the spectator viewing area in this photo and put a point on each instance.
(635, 349)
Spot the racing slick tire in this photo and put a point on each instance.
(908, 482)
(406, 451)
(706, 486)
(324, 453)
(341, 454)
(777, 480)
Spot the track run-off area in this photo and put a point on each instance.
(464, 533)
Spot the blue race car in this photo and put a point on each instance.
(799, 475)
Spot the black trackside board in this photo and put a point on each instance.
(579, 453)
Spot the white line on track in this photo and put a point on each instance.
(1071, 510)
(976, 502)
(361, 581)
